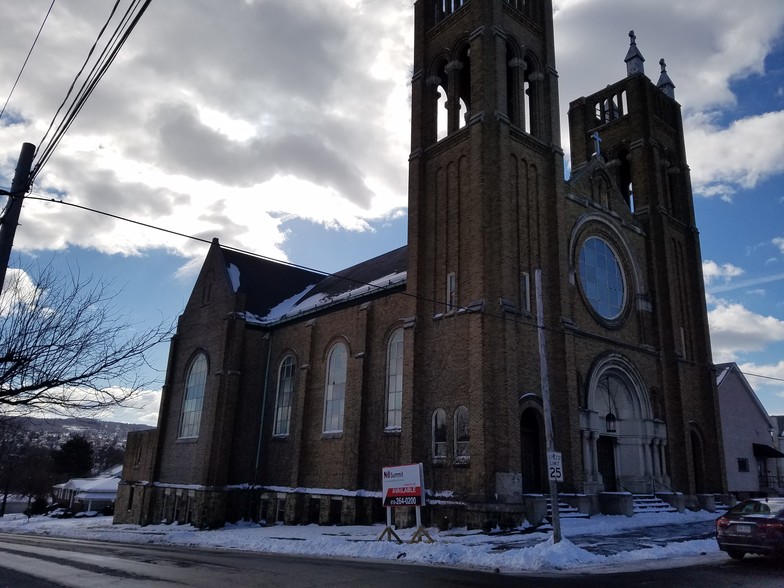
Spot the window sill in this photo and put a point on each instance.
(462, 462)
(332, 435)
(187, 440)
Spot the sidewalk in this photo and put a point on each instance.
(596, 544)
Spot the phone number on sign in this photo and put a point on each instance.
(404, 501)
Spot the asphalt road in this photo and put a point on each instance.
(38, 562)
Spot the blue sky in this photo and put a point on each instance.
(282, 127)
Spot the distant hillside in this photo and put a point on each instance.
(52, 433)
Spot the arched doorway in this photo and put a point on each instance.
(532, 451)
(622, 441)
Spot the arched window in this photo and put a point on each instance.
(462, 434)
(284, 397)
(194, 397)
(335, 392)
(439, 435)
(395, 381)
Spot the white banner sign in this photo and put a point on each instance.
(403, 485)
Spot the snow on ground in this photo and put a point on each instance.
(505, 552)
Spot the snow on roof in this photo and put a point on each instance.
(298, 305)
(234, 276)
(101, 484)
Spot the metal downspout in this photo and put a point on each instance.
(263, 407)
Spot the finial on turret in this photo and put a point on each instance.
(634, 59)
(665, 83)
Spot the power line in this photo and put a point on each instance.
(763, 377)
(260, 256)
(26, 59)
(119, 36)
(504, 317)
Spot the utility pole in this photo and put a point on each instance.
(10, 219)
(548, 411)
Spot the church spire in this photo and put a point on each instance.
(665, 83)
(635, 62)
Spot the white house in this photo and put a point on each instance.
(751, 442)
(89, 494)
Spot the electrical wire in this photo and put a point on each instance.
(108, 54)
(78, 74)
(504, 317)
(48, 12)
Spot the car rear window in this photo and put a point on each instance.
(761, 508)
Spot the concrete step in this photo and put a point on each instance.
(648, 503)
(565, 511)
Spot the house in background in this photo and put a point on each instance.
(89, 494)
(779, 422)
(752, 449)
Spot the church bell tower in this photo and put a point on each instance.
(486, 172)
(627, 141)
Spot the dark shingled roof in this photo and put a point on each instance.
(363, 273)
(267, 283)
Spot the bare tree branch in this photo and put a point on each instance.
(65, 347)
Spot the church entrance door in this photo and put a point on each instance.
(605, 454)
(532, 445)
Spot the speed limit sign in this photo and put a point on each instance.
(554, 467)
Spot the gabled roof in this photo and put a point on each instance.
(264, 282)
(723, 370)
(276, 292)
(392, 263)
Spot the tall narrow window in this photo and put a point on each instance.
(194, 397)
(462, 434)
(395, 381)
(335, 393)
(451, 291)
(284, 397)
(441, 114)
(439, 435)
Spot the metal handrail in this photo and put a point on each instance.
(655, 481)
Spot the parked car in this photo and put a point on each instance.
(752, 526)
(61, 513)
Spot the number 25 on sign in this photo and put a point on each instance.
(554, 467)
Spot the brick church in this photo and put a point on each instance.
(288, 391)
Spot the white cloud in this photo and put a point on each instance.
(18, 287)
(779, 242)
(736, 330)
(774, 370)
(142, 408)
(766, 379)
(218, 118)
(712, 271)
(723, 160)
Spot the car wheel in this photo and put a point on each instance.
(736, 554)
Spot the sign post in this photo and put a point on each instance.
(404, 486)
(548, 413)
